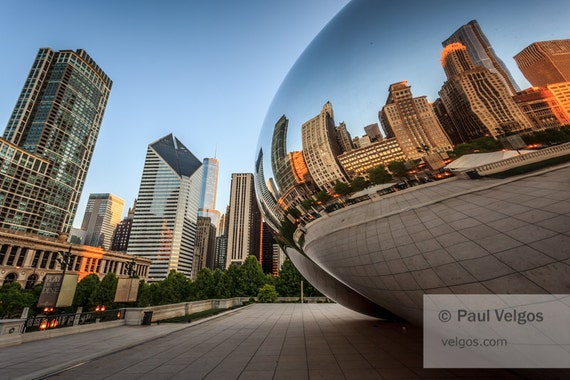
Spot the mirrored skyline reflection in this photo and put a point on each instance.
(371, 44)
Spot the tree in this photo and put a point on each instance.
(174, 288)
(85, 288)
(233, 277)
(267, 294)
(252, 277)
(221, 285)
(359, 183)
(204, 285)
(379, 175)
(288, 283)
(307, 203)
(13, 300)
(323, 197)
(398, 168)
(342, 188)
(145, 294)
(104, 294)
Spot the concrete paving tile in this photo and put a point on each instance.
(326, 374)
(530, 233)
(556, 247)
(322, 362)
(256, 375)
(353, 362)
(291, 374)
(398, 373)
(361, 374)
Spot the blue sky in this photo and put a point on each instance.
(203, 70)
(207, 70)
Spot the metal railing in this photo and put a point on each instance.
(47, 321)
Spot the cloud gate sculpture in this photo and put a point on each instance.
(379, 251)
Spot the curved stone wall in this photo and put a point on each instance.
(486, 236)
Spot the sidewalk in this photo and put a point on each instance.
(262, 341)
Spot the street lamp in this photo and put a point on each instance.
(65, 259)
(130, 266)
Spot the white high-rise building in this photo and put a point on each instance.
(164, 224)
(102, 214)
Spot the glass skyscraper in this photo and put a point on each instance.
(48, 143)
(481, 52)
(208, 190)
(164, 224)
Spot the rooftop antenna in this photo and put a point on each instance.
(216, 151)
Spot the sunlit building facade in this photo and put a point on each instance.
(51, 135)
(545, 62)
(102, 215)
(542, 108)
(164, 224)
(561, 92)
(27, 258)
(358, 162)
(413, 123)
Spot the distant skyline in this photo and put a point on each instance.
(207, 71)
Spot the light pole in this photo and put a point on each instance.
(65, 260)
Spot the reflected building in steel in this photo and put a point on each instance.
(482, 53)
(378, 251)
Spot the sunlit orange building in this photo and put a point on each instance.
(27, 258)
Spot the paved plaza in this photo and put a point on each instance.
(262, 341)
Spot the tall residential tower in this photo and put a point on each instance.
(48, 143)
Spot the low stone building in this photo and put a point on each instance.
(27, 258)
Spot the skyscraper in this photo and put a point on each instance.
(321, 147)
(205, 247)
(122, 233)
(222, 241)
(49, 140)
(244, 220)
(546, 62)
(102, 215)
(481, 53)
(413, 123)
(164, 225)
(208, 190)
(477, 100)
